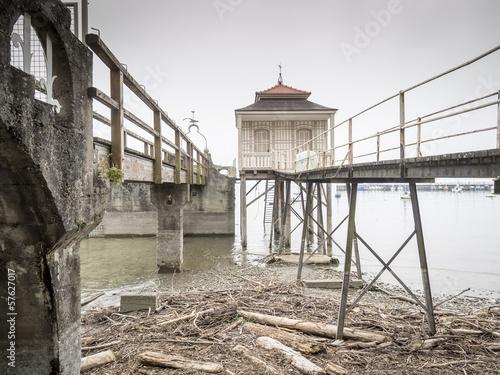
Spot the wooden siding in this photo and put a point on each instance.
(283, 141)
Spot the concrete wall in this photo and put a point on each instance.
(129, 212)
(50, 197)
(210, 209)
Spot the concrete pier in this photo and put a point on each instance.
(169, 200)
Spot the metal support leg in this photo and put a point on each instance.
(356, 248)
(348, 259)
(305, 228)
(274, 215)
(286, 217)
(423, 258)
(329, 221)
(321, 230)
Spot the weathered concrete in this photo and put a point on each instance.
(50, 196)
(210, 209)
(126, 202)
(169, 200)
(138, 301)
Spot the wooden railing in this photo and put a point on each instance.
(177, 151)
(326, 157)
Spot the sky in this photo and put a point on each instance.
(211, 56)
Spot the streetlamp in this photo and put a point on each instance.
(193, 123)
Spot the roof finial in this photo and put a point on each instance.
(280, 78)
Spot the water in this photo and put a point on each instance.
(461, 233)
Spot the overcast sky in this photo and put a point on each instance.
(211, 56)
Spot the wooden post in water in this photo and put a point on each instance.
(422, 257)
(305, 228)
(243, 209)
(348, 260)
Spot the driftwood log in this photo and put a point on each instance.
(92, 298)
(185, 317)
(98, 359)
(319, 329)
(296, 342)
(175, 361)
(259, 363)
(332, 369)
(298, 361)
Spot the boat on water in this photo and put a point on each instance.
(405, 195)
(457, 189)
(337, 194)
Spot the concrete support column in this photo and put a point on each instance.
(169, 201)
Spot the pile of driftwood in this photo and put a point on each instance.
(269, 327)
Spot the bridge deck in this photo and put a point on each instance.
(474, 164)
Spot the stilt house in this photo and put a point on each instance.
(280, 124)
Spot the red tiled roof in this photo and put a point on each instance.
(282, 89)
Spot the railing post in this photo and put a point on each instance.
(402, 125)
(350, 142)
(419, 137)
(177, 156)
(191, 163)
(117, 133)
(157, 148)
(205, 174)
(498, 121)
(308, 159)
(332, 138)
(325, 147)
(198, 176)
(378, 147)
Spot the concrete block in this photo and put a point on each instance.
(332, 284)
(135, 301)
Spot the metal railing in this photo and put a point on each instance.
(326, 157)
(178, 151)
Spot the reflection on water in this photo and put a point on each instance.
(460, 231)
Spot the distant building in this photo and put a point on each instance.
(280, 124)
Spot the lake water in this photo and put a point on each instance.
(461, 233)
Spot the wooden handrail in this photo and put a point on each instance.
(120, 76)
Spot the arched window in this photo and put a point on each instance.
(304, 135)
(262, 143)
(29, 55)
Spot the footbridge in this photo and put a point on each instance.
(368, 148)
